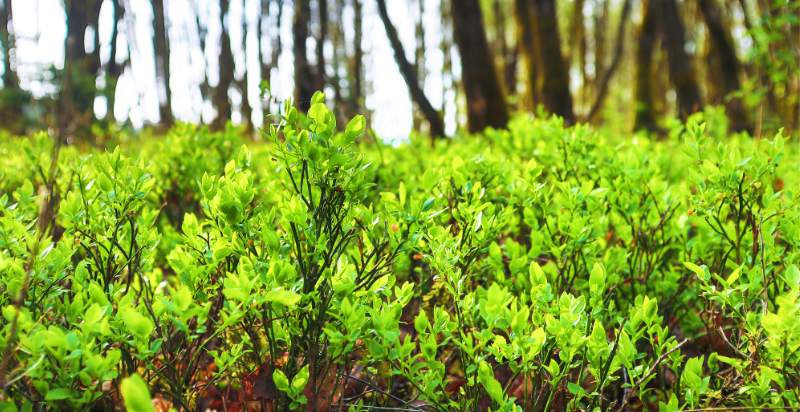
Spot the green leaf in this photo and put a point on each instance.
(318, 97)
(284, 297)
(321, 115)
(136, 395)
(281, 381)
(427, 204)
(355, 127)
(299, 380)
(137, 324)
(58, 394)
(490, 384)
(597, 280)
(701, 272)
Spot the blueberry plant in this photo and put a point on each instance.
(536, 268)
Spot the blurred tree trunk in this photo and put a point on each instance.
(526, 42)
(161, 47)
(619, 50)
(486, 103)
(221, 100)
(113, 68)
(93, 58)
(600, 34)
(419, 54)
(577, 45)
(648, 36)
(729, 65)
(202, 33)
(508, 53)
(10, 77)
(357, 62)
(81, 68)
(303, 77)
(410, 75)
(681, 72)
(245, 108)
(554, 82)
(339, 62)
(322, 36)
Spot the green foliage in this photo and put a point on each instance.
(539, 267)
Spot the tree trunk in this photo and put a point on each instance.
(419, 53)
(648, 36)
(679, 61)
(202, 33)
(508, 52)
(486, 103)
(78, 97)
(321, 76)
(161, 47)
(410, 75)
(303, 77)
(554, 83)
(526, 42)
(245, 108)
(619, 50)
(10, 78)
(357, 62)
(577, 44)
(729, 66)
(221, 100)
(113, 68)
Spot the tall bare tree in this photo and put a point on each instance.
(729, 67)
(221, 100)
(356, 80)
(80, 68)
(409, 74)
(161, 47)
(608, 73)
(644, 118)
(486, 102)
(10, 78)
(113, 68)
(554, 82)
(303, 75)
(526, 43)
(681, 71)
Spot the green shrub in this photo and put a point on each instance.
(534, 268)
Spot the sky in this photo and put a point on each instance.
(40, 28)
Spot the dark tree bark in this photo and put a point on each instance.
(681, 72)
(322, 36)
(648, 36)
(303, 76)
(265, 65)
(508, 52)
(619, 49)
(357, 62)
(729, 66)
(10, 78)
(245, 109)
(79, 67)
(410, 75)
(486, 103)
(419, 53)
(526, 42)
(202, 33)
(577, 44)
(161, 47)
(93, 58)
(113, 68)
(554, 82)
(221, 100)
